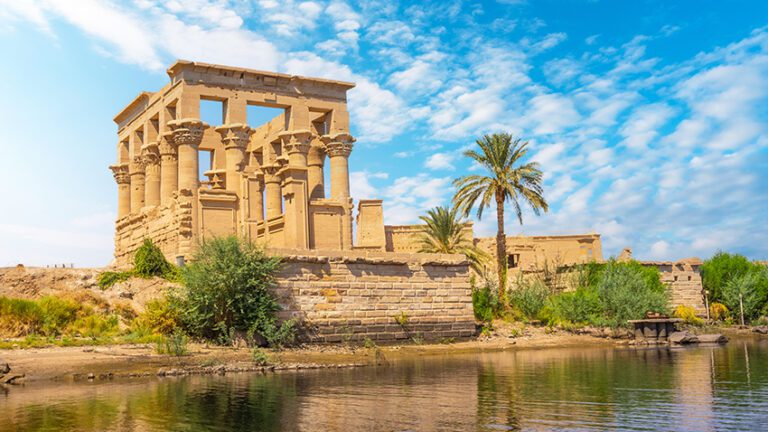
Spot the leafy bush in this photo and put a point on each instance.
(748, 286)
(108, 278)
(688, 315)
(260, 357)
(227, 289)
(280, 336)
(94, 326)
(718, 311)
(576, 307)
(174, 344)
(485, 303)
(529, 296)
(149, 261)
(721, 269)
(609, 295)
(629, 290)
(56, 314)
(160, 316)
(19, 317)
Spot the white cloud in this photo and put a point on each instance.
(440, 161)
(642, 126)
(551, 113)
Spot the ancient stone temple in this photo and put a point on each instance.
(265, 182)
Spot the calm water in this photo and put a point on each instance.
(696, 389)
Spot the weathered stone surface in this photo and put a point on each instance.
(761, 329)
(4, 367)
(683, 338)
(712, 338)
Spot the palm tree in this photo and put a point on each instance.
(444, 233)
(508, 179)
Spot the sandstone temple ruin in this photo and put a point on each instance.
(266, 182)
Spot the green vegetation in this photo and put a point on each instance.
(148, 262)
(734, 282)
(174, 344)
(260, 357)
(225, 295)
(485, 303)
(444, 233)
(226, 291)
(508, 179)
(529, 297)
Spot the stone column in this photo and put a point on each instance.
(136, 171)
(169, 169)
(294, 188)
(235, 138)
(338, 147)
(272, 190)
(187, 134)
(123, 179)
(256, 196)
(151, 157)
(315, 176)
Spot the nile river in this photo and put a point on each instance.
(695, 389)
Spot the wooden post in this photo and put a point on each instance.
(741, 308)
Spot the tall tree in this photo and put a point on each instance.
(508, 178)
(444, 233)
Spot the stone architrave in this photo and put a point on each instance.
(123, 180)
(235, 138)
(169, 168)
(150, 154)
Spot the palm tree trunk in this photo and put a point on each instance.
(501, 249)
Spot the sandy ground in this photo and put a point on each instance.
(128, 361)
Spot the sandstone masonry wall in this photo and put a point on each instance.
(684, 280)
(354, 295)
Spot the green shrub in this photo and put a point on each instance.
(529, 296)
(174, 344)
(108, 278)
(485, 302)
(749, 286)
(149, 261)
(19, 317)
(260, 357)
(56, 314)
(628, 291)
(161, 316)
(227, 290)
(721, 269)
(94, 326)
(576, 307)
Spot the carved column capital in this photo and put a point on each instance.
(296, 141)
(271, 173)
(187, 131)
(316, 155)
(338, 144)
(167, 147)
(236, 135)
(120, 172)
(150, 153)
(137, 165)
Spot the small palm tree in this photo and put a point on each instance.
(508, 179)
(444, 233)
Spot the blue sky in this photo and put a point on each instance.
(650, 118)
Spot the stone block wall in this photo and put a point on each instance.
(684, 280)
(169, 227)
(386, 297)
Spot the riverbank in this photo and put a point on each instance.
(140, 360)
(114, 362)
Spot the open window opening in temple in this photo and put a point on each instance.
(513, 260)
